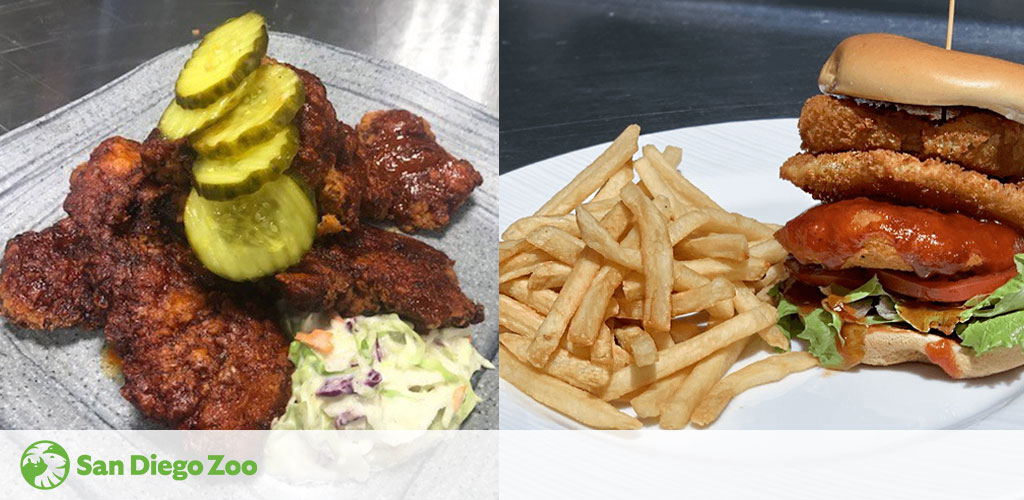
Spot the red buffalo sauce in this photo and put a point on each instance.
(852, 346)
(930, 242)
(941, 353)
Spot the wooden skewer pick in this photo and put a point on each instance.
(949, 25)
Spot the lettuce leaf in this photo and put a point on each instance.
(984, 335)
(1005, 299)
(820, 328)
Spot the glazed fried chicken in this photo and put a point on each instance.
(320, 161)
(372, 270)
(193, 355)
(410, 178)
(202, 353)
(44, 282)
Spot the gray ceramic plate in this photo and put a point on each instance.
(54, 380)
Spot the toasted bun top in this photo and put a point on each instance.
(897, 69)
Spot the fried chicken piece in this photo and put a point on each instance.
(976, 139)
(410, 178)
(322, 151)
(169, 161)
(862, 233)
(373, 270)
(44, 280)
(193, 355)
(906, 180)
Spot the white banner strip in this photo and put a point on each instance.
(249, 464)
(791, 465)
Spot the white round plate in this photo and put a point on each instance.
(737, 164)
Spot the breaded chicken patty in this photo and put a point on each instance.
(976, 139)
(904, 179)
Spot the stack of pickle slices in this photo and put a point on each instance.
(245, 217)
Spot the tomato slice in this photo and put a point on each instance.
(942, 289)
(935, 289)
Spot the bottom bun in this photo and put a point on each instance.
(887, 345)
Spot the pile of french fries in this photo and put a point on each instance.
(642, 293)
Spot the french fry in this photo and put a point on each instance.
(601, 350)
(770, 369)
(550, 332)
(657, 260)
(721, 310)
(724, 222)
(538, 300)
(615, 221)
(590, 315)
(515, 274)
(657, 187)
(510, 248)
(682, 187)
(685, 224)
(596, 237)
(663, 340)
(677, 406)
(616, 182)
(633, 287)
(556, 243)
(601, 207)
(638, 343)
(647, 404)
(620, 357)
(725, 246)
(518, 317)
(684, 278)
(773, 336)
(769, 250)
(563, 366)
(751, 269)
(562, 397)
(679, 356)
(522, 227)
(702, 297)
(673, 155)
(594, 175)
(524, 259)
(578, 351)
(549, 275)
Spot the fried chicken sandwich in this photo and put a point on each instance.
(915, 153)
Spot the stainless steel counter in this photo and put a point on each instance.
(53, 51)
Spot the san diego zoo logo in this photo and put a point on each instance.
(44, 465)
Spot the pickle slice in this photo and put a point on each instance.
(252, 235)
(178, 122)
(222, 60)
(226, 178)
(274, 96)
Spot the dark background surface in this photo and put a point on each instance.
(574, 73)
(52, 52)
